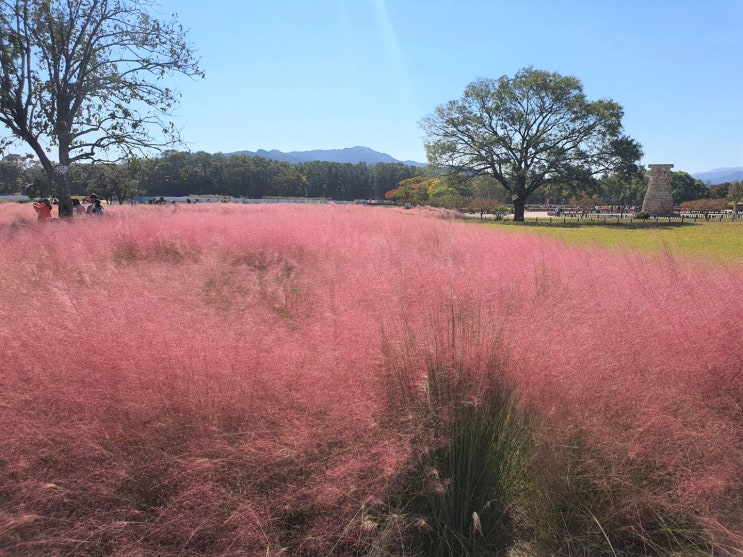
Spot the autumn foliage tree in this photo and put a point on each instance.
(704, 205)
(414, 191)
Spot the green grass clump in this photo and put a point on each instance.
(489, 476)
(472, 482)
(461, 492)
(719, 240)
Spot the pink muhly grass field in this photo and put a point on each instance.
(215, 380)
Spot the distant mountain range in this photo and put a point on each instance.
(352, 155)
(720, 175)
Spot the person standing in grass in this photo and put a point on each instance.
(77, 208)
(96, 208)
(43, 209)
(91, 203)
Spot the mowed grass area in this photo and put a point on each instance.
(717, 240)
(292, 380)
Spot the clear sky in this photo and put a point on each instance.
(297, 75)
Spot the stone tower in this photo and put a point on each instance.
(658, 199)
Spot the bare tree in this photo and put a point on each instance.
(87, 77)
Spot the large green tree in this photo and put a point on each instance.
(684, 187)
(13, 175)
(534, 129)
(113, 181)
(86, 77)
(624, 190)
(735, 191)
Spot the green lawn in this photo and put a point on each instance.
(720, 240)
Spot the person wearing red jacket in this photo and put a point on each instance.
(43, 209)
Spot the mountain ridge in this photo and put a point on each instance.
(350, 155)
(720, 175)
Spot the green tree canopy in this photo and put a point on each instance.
(86, 76)
(13, 173)
(529, 131)
(684, 187)
(113, 181)
(735, 191)
(624, 190)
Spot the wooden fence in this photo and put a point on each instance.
(630, 218)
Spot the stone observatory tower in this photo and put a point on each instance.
(658, 199)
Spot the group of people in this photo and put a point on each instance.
(43, 208)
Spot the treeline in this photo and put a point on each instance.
(254, 177)
(178, 173)
(615, 190)
(182, 173)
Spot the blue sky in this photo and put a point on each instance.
(296, 75)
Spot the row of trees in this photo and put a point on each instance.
(615, 190)
(450, 190)
(254, 177)
(181, 173)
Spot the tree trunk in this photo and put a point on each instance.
(519, 206)
(65, 200)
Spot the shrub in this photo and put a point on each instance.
(705, 205)
(488, 206)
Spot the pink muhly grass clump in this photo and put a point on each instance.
(173, 360)
(636, 356)
(216, 379)
(18, 215)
